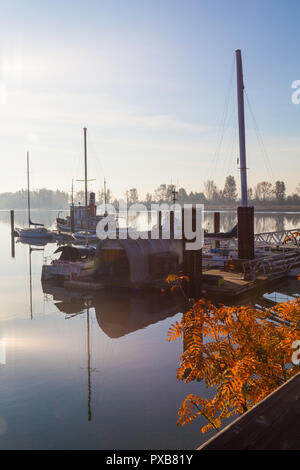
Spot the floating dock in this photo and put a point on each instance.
(272, 424)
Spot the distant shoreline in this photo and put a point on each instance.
(207, 208)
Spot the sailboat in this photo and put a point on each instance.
(74, 260)
(38, 230)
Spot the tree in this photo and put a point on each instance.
(160, 193)
(242, 351)
(279, 191)
(250, 193)
(133, 196)
(230, 190)
(148, 198)
(263, 191)
(210, 190)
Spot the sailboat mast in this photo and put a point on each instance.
(241, 113)
(28, 191)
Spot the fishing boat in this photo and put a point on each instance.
(34, 230)
(74, 261)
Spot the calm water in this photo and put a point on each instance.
(93, 373)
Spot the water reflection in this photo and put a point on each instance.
(102, 362)
(118, 312)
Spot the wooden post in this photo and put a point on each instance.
(160, 225)
(172, 223)
(72, 219)
(217, 227)
(12, 228)
(192, 261)
(246, 233)
(12, 222)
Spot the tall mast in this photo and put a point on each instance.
(241, 112)
(28, 191)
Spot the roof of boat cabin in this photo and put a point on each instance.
(138, 252)
(82, 250)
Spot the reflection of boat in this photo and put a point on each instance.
(82, 236)
(34, 233)
(73, 262)
(117, 315)
(123, 314)
(35, 241)
(39, 231)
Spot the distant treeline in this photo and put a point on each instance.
(263, 194)
(39, 199)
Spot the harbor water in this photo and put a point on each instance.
(94, 372)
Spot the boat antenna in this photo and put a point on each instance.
(241, 115)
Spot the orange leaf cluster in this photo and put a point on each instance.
(243, 352)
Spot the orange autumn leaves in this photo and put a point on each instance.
(243, 352)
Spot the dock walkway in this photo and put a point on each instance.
(272, 424)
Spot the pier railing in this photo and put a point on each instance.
(281, 237)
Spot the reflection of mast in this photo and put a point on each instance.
(89, 367)
(30, 283)
(30, 277)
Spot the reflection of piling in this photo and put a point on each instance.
(172, 224)
(246, 233)
(217, 227)
(12, 227)
(72, 217)
(192, 260)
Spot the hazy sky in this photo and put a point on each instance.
(149, 79)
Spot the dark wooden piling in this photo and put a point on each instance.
(172, 223)
(192, 261)
(72, 219)
(246, 233)
(12, 228)
(217, 227)
(160, 225)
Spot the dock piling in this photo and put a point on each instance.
(217, 227)
(12, 228)
(246, 233)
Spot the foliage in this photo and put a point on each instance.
(243, 352)
(40, 199)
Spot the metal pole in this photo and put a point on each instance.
(86, 187)
(241, 112)
(28, 191)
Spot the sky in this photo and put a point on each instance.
(154, 83)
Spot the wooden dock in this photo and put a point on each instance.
(232, 285)
(272, 424)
